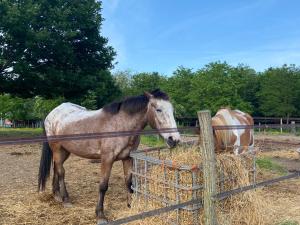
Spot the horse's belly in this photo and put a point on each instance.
(86, 149)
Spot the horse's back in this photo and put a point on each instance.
(63, 115)
(227, 139)
(69, 119)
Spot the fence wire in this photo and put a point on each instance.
(86, 136)
(219, 196)
(175, 205)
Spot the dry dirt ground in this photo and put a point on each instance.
(21, 204)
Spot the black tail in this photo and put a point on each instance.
(45, 165)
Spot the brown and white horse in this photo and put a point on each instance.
(131, 114)
(235, 140)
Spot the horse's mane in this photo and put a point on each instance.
(134, 104)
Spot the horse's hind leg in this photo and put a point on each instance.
(106, 166)
(55, 185)
(58, 185)
(127, 167)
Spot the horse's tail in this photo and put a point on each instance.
(45, 165)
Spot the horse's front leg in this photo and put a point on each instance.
(106, 165)
(127, 167)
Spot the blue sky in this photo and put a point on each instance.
(160, 35)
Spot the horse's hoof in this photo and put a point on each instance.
(67, 205)
(102, 221)
(128, 205)
(58, 198)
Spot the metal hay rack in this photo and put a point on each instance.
(158, 182)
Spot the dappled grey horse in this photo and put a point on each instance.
(131, 114)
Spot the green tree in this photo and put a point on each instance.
(16, 108)
(178, 87)
(214, 87)
(248, 85)
(42, 107)
(53, 49)
(5, 105)
(279, 93)
(90, 100)
(146, 82)
(21, 109)
(124, 81)
(106, 91)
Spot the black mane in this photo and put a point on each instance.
(134, 104)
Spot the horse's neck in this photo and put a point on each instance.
(137, 121)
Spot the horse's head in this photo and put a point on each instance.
(160, 115)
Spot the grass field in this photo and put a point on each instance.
(149, 140)
(152, 141)
(20, 132)
(276, 131)
(288, 223)
(268, 164)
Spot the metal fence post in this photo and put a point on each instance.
(281, 125)
(207, 149)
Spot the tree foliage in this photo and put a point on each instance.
(16, 108)
(5, 105)
(53, 49)
(275, 92)
(42, 107)
(135, 84)
(178, 87)
(124, 81)
(280, 91)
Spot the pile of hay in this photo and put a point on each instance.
(245, 208)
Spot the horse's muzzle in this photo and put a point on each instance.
(171, 142)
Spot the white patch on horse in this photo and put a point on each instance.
(65, 114)
(240, 112)
(167, 117)
(232, 121)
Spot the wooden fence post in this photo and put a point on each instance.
(207, 149)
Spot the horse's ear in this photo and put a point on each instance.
(148, 95)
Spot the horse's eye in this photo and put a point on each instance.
(158, 110)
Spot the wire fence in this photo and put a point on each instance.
(86, 136)
(193, 204)
(181, 121)
(257, 120)
(199, 202)
(21, 123)
(142, 167)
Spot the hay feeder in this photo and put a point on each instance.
(163, 177)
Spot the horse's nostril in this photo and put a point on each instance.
(171, 142)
